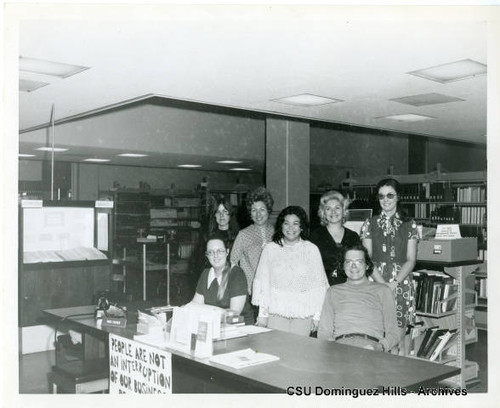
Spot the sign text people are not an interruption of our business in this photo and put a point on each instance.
(135, 368)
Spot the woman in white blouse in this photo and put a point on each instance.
(290, 281)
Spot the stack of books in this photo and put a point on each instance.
(431, 342)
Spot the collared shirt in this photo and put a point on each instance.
(212, 276)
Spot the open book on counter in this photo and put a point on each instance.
(242, 358)
(63, 255)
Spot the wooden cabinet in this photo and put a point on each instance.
(59, 285)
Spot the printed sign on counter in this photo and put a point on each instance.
(136, 368)
(448, 231)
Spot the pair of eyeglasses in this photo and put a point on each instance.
(390, 196)
(219, 252)
(221, 213)
(351, 262)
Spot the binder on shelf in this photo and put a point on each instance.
(433, 342)
(442, 342)
(425, 340)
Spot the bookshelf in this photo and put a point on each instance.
(161, 216)
(462, 301)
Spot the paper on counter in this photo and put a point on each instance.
(243, 358)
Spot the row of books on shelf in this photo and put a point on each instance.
(482, 255)
(481, 288)
(429, 192)
(432, 343)
(177, 213)
(473, 215)
(472, 194)
(435, 293)
(182, 202)
(449, 213)
(171, 222)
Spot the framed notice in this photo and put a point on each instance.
(136, 368)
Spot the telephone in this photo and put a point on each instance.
(109, 309)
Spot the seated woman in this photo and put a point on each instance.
(359, 312)
(290, 282)
(223, 285)
(332, 237)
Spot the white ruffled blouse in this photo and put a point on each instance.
(290, 281)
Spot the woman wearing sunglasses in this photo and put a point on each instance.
(223, 285)
(391, 240)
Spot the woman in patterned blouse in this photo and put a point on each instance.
(391, 240)
(249, 242)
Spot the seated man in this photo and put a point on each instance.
(359, 312)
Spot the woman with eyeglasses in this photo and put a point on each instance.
(290, 282)
(332, 237)
(223, 285)
(391, 240)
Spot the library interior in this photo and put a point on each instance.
(125, 158)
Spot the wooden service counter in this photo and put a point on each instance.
(304, 361)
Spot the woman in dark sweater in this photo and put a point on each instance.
(332, 236)
(223, 285)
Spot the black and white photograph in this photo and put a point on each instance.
(212, 200)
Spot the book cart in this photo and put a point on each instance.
(460, 318)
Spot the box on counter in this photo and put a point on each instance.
(447, 250)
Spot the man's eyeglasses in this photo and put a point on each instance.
(219, 252)
(350, 262)
(390, 196)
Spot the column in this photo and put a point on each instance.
(287, 163)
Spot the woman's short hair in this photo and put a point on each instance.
(368, 260)
(260, 194)
(396, 185)
(331, 195)
(301, 215)
(390, 182)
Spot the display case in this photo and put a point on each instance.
(65, 253)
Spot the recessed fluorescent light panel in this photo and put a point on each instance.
(454, 71)
(132, 155)
(408, 117)
(25, 85)
(57, 69)
(189, 166)
(26, 155)
(306, 100)
(49, 149)
(229, 161)
(240, 169)
(96, 160)
(426, 99)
